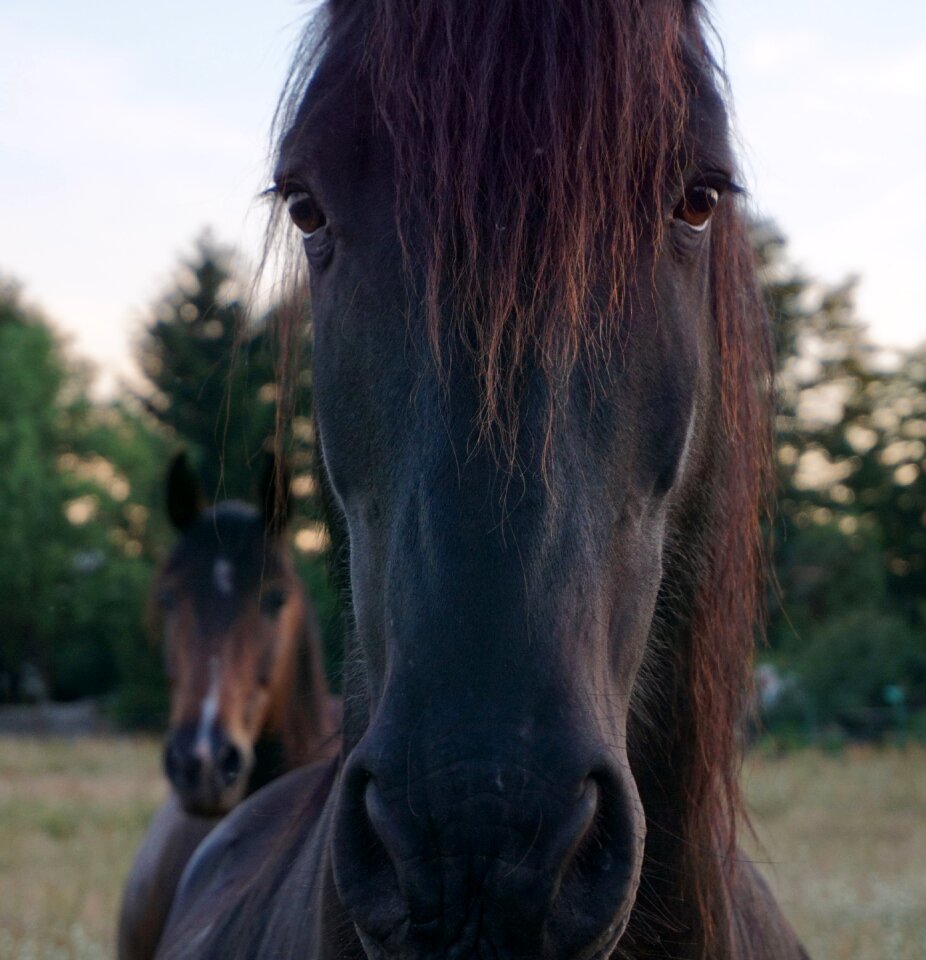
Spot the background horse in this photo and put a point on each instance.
(542, 381)
(249, 699)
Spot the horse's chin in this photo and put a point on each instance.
(602, 948)
(209, 803)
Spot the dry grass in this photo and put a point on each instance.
(845, 848)
(845, 836)
(71, 814)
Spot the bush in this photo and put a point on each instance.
(847, 663)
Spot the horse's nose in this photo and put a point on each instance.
(487, 860)
(182, 765)
(228, 762)
(208, 770)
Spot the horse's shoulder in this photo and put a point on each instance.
(165, 850)
(234, 855)
(762, 929)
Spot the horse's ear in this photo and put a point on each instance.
(274, 492)
(184, 495)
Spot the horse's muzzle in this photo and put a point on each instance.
(487, 859)
(209, 774)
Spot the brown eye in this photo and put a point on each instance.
(697, 205)
(305, 212)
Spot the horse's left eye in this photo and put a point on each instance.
(272, 602)
(305, 212)
(697, 205)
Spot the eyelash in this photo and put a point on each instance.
(305, 212)
(293, 196)
(700, 198)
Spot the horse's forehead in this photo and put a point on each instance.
(333, 112)
(224, 555)
(709, 128)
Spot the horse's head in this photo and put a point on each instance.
(232, 611)
(528, 386)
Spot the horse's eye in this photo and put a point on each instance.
(305, 213)
(272, 602)
(697, 205)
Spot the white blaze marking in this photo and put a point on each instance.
(223, 576)
(208, 712)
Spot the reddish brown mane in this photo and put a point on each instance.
(532, 181)
(728, 602)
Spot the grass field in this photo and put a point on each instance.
(844, 841)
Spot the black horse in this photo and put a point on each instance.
(542, 381)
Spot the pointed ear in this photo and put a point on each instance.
(273, 495)
(184, 495)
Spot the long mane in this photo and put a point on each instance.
(535, 140)
(529, 136)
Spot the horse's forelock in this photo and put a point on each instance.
(529, 137)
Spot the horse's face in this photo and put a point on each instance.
(231, 610)
(502, 616)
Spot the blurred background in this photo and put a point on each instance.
(133, 145)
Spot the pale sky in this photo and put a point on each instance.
(128, 128)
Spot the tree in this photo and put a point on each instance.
(212, 375)
(33, 529)
(114, 466)
(849, 531)
(78, 543)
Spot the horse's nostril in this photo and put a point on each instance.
(364, 867)
(578, 827)
(182, 768)
(229, 763)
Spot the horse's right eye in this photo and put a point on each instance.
(305, 212)
(697, 206)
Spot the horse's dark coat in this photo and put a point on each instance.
(541, 379)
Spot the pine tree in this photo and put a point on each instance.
(213, 377)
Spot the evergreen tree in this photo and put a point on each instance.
(849, 529)
(32, 498)
(213, 377)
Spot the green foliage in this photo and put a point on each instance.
(33, 533)
(115, 461)
(850, 532)
(77, 550)
(213, 379)
(849, 660)
(823, 572)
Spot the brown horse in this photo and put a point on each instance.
(542, 378)
(248, 694)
